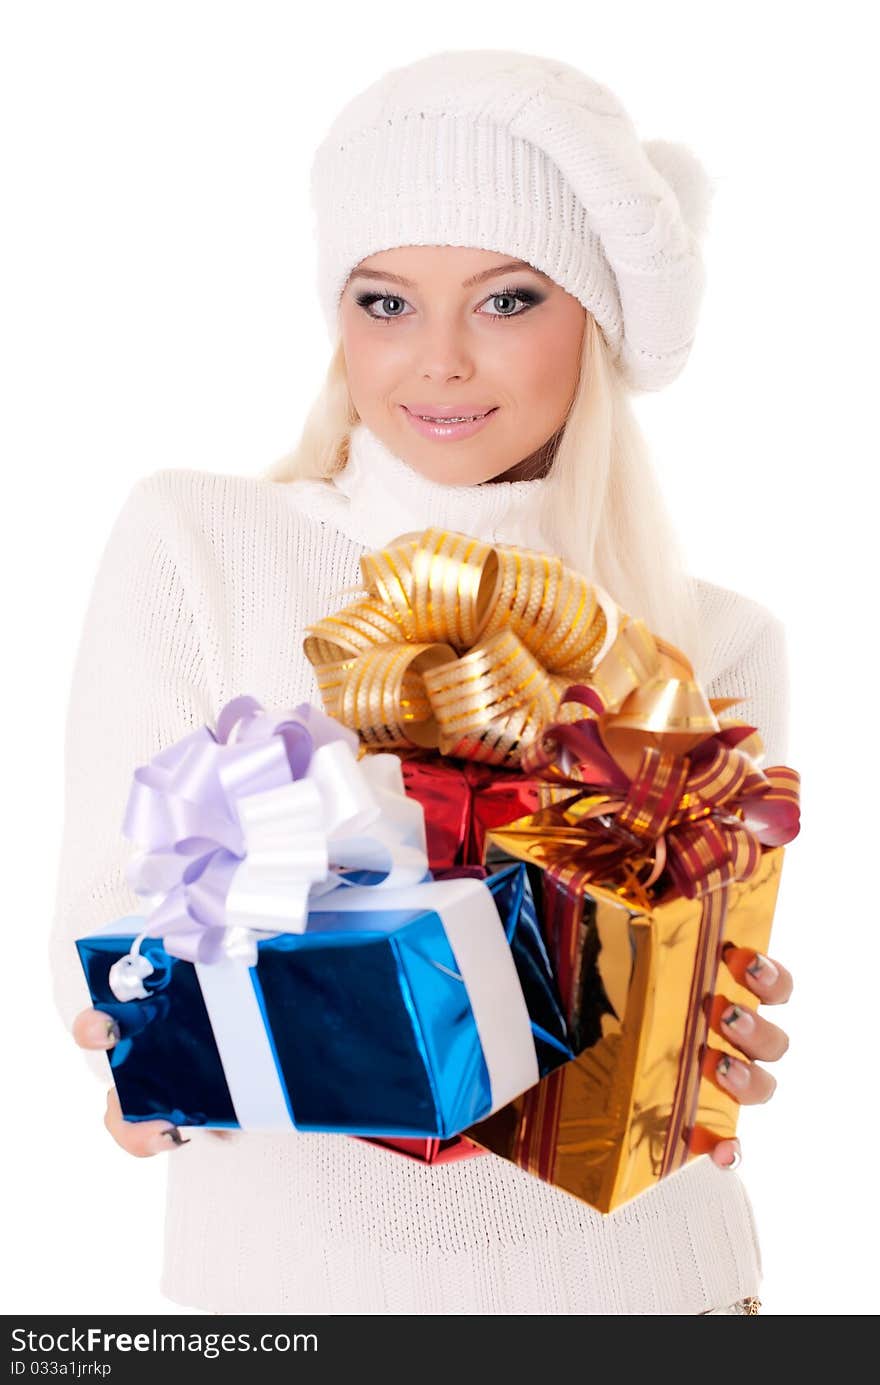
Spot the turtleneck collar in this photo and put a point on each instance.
(378, 496)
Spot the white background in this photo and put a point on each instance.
(159, 311)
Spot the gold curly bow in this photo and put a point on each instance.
(468, 648)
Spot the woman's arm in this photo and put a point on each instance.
(139, 683)
(760, 676)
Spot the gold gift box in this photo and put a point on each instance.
(642, 976)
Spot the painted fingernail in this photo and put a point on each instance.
(103, 1031)
(732, 1073)
(172, 1134)
(763, 970)
(740, 1019)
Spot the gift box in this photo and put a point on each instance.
(462, 801)
(403, 1013)
(625, 1112)
(300, 967)
(432, 1151)
(638, 889)
(397, 1013)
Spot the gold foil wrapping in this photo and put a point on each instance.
(609, 1124)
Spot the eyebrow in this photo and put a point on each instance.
(508, 267)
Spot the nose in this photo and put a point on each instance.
(443, 351)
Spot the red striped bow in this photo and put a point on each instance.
(704, 815)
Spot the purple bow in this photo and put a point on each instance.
(240, 827)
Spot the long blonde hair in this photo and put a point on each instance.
(605, 516)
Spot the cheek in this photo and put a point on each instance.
(372, 363)
(542, 363)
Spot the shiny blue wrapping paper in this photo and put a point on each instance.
(371, 1028)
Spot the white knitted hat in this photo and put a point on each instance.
(530, 157)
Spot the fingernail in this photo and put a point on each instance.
(763, 970)
(732, 1073)
(103, 1031)
(169, 1138)
(740, 1019)
(735, 1162)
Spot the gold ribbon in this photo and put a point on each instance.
(463, 646)
(643, 719)
(650, 696)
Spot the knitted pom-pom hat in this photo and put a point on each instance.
(530, 157)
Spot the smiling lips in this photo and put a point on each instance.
(448, 426)
(448, 413)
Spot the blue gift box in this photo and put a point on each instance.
(410, 1021)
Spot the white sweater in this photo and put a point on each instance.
(202, 593)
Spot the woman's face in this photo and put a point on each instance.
(444, 329)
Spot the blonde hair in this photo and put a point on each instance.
(605, 515)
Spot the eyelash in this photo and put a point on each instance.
(527, 296)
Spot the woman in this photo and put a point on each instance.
(463, 190)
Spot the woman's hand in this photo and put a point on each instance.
(93, 1029)
(740, 1078)
(753, 1036)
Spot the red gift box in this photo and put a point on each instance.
(462, 802)
(433, 1151)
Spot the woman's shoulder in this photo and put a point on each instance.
(717, 602)
(188, 498)
(232, 535)
(188, 484)
(733, 623)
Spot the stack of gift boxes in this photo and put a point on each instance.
(476, 904)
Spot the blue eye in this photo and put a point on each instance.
(366, 300)
(524, 296)
(527, 297)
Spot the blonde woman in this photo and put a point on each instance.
(502, 264)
